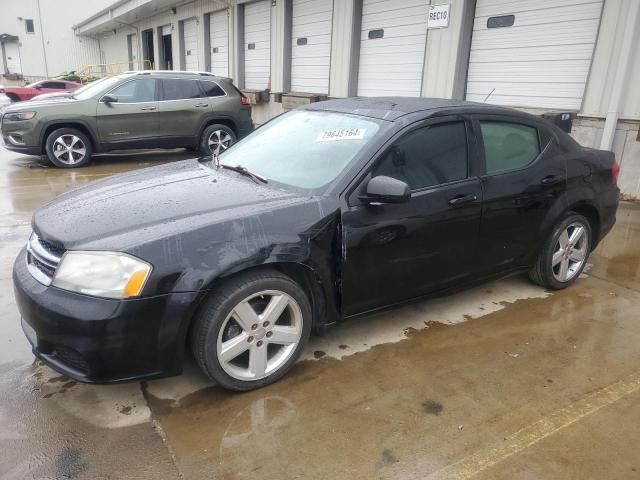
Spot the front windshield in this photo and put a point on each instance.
(306, 149)
(93, 88)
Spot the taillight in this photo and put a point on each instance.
(1, 90)
(615, 171)
(244, 100)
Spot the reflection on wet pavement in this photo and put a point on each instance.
(503, 380)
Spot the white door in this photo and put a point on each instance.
(257, 45)
(190, 31)
(392, 44)
(13, 57)
(532, 57)
(219, 41)
(311, 45)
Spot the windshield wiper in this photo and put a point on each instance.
(244, 171)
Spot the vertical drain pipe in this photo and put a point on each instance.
(621, 74)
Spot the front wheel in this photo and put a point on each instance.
(216, 139)
(251, 330)
(565, 253)
(68, 148)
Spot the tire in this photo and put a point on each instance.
(263, 347)
(77, 155)
(557, 267)
(216, 139)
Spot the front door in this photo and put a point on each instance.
(132, 119)
(521, 181)
(396, 252)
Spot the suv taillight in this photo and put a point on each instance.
(244, 100)
(615, 171)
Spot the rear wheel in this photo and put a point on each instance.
(216, 139)
(251, 330)
(68, 148)
(565, 253)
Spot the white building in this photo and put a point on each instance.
(577, 56)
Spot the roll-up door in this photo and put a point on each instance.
(219, 38)
(532, 54)
(392, 46)
(311, 45)
(190, 32)
(257, 45)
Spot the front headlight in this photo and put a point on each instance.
(103, 274)
(18, 116)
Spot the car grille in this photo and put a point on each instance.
(42, 259)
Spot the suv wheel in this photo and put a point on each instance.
(68, 148)
(564, 254)
(251, 330)
(216, 139)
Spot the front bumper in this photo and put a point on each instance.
(26, 132)
(99, 340)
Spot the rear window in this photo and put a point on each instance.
(178, 89)
(211, 89)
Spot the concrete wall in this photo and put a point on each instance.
(53, 48)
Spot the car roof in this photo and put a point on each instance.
(392, 108)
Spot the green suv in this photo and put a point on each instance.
(146, 109)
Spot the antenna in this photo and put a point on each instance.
(487, 97)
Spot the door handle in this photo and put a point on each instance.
(551, 179)
(202, 105)
(148, 108)
(462, 199)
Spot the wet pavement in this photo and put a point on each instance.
(504, 380)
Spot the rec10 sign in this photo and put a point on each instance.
(438, 16)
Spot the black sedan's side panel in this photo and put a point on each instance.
(516, 204)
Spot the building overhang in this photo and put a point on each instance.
(8, 38)
(123, 13)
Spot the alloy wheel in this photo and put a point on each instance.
(570, 252)
(219, 141)
(69, 149)
(260, 335)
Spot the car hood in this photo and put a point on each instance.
(142, 206)
(31, 104)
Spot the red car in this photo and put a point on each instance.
(17, 94)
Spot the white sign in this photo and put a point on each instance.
(438, 16)
(341, 134)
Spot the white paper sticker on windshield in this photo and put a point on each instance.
(341, 134)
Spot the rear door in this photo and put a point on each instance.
(182, 109)
(134, 117)
(396, 252)
(521, 180)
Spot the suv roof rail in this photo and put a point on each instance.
(169, 72)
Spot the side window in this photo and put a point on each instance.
(212, 89)
(508, 146)
(136, 91)
(428, 156)
(177, 89)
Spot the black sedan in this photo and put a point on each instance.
(326, 212)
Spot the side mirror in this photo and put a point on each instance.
(382, 189)
(38, 87)
(109, 99)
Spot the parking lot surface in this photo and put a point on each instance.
(504, 380)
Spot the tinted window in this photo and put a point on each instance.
(176, 89)
(428, 156)
(212, 89)
(59, 85)
(508, 146)
(136, 91)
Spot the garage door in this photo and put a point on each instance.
(190, 44)
(311, 45)
(392, 46)
(532, 54)
(219, 36)
(257, 45)
(13, 57)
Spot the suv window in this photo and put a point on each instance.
(212, 89)
(508, 146)
(136, 91)
(428, 156)
(180, 89)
